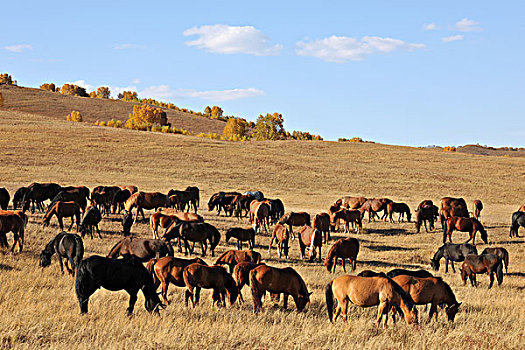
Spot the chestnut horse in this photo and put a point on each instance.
(295, 219)
(281, 234)
(500, 252)
(350, 202)
(423, 214)
(197, 276)
(429, 290)
(322, 223)
(146, 200)
(260, 215)
(234, 257)
(477, 207)
(164, 218)
(470, 225)
(310, 237)
(241, 275)
(366, 292)
(63, 210)
(276, 281)
(347, 248)
(12, 221)
(401, 208)
(484, 263)
(142, 248)
(168, 270)
(242, 235)
(348, 216)
(518, 219)
(375, 205)
(452, 207)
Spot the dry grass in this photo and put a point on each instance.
(38, 308)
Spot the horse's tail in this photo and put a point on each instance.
(444, 224)
(499, 271)
(153, 223)
(150, 266)
(506, 260)
(79, 250)
(329, 295)
(189, 280)
(82, 279)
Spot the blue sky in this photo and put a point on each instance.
(399, 72)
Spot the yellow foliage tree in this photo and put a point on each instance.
(146, 115)
(128, 96)
(103, 92)
(235, 127)
(92, 94)
(269, 127)
(48, 87)
(73, 90)
(7, 79)
(216, 112)
(74, 116)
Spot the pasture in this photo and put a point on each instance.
(38, 307)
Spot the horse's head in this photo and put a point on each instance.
(329, 263)
(451, 311)
(434, 264)
(412, 315)
(45, 259)
(232, 291)
(25, 207)
(302, 300)
(464, 275)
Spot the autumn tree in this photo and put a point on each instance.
(74, 116)
(207, 111)
(7, 79)
(128, 96)
(235, 127)
(216, 112)
(103, 92)
(49, 87)
(269, 127)
(147, 115)
(73, 90)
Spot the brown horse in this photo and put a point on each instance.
(375, 205)
(470, 225)
(39, 192)
(242, 235)
(168, 270)
(452, 207)
(184, 199)
(477, 207)
(295, 219)
(146, 200)
(322, 223)
(234, 257)
(281, 234)
(260, 215)
(276, 281)
(401, 208)
(344, 249)
(163, 219)
(425, 203)
(197, 276)
(424, 214)
(241, 275)
(366, 292)
(484, 263)
(144, 249)
(348, 216)
(12, 221)
(500, 252)
(63, 210)
(73, 194)
(350, 202)
(430, 290)
(312, 238)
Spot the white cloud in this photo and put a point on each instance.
(18, 48)
(342, 48)
(430, 26)
(225, 39)
(136, 81)
(115, 90)
(127, 46)
(452, 38)
(157, 92)
(468, 25)
(82, 83)
(165, 92)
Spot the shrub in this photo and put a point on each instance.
(49, 87)
(449, 149)
(268, 127)
(216, 112)
(128, 96)
(103, 92)
(148, 115)
(156, 127)
(92, 94)
(7, 79)
(102, 123)
(235, 127)
(73, 90)
(74, 116)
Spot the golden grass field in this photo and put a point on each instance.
(38, 307)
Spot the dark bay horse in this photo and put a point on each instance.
(12, 221)
(234, 257)
(165, 218)
(347, 248)
(4, 198)
(348, 216)
(484, 263)
(452, 252)
(322, 223)
(123, 274)
(197, 276)
(276, 281)
(423, 215)
(414, 273)
(282, 235)
(146, 200)
(39, 192)
(276, 209)
(367, 292)
(295, 219)
(241, 275)
(470, 225)
(90, 221)
(119, 199)
(242, 235)
(72, 195)
(67, 246)
(18, 199)
(63, 210)
(242, 203)
(221, 200)
(200, 232)
(518, 219)
(401, 208)
(500, 252)
(144, 249)
(312, 238)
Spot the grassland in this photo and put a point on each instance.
(38, 307)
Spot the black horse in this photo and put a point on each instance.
(518, 219)
(18, 198)
(452, 252)
(423, 215)
(122, 274)
(90, 221)
(276, 210)
(127, 222)
(417, 273)
(66, 245)
(119, 198)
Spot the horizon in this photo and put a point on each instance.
(407, 74)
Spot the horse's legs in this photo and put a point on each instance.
(197, 294)
(204, 247)
(71, 264)
(188, 295)
(59, 258)
(343, 262)
(319, 254)
(382, 310)
(60, 223)
(164, 291)
(285, 301)
(433, 311)
(72, 222)
(491, 274)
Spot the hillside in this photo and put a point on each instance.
(58, 106)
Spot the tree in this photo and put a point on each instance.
(207, 111)
(49, 87)
(74, 116)
(235, 126)
(93, 94)
(128, 96)
(269, 127)
(73, 90)
(147, 115)
(216, 112)
(103, 92)
(7, 79)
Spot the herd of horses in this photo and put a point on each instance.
(398, 291)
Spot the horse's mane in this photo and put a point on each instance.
(404, 295)
(447, 289)
(131, 200)
(48, 211)
(49, 245)
(331, 254)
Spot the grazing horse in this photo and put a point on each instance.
(470, 225)
(128, 274)
(119, 199)
(242, 235)
(194, 232)
(350, 202)
(375, 205)
(12, 221)
(234, 257)
(348, 216)
(484, 263)
(276, 281)
(417, 273)
(347, 248)
(370, 273)
(90, 221)
(4, 198)
(63, 210)
(72, 195)
(168, 270)
(477, 207)
(142, 248)
(197, 276)
(281, 234)
(500, 252)
(18, 198)
(518, 219)
(146, 200)
(242, 202)
(163, 219)
(401, 208)
(194, 190)
(452, 207)
(366, 292)
(423, 214)
(221, 200)
(184, 199)
(260, 215)
(312, 238)
(430, 290)
(452, 252)
(295, 219)
(67, 246)
(127, 222)
(37, 193)
(276, 209)
(241, 275)
(322, 223)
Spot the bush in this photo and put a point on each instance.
(449, 149)
(73, 90)
(7, 79)
(49, 87)
(235, 127)
(269, 127)
(143, 117)
(103, 92)
(128, 96)
(92, 94)
(74, 116)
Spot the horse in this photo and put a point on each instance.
(281, 234)
(260, 215)
(477, 207)
(347, 248)
(375, 205)
(4, 198)
(241, 275)
(37, 192)
(67, 246)
(425, 203)
(12, 221)
(348, 216)
(221, 200)
(295, 219)
(470, 225)
(119, 199)
(63, 210)
(276, 209)
(370, 273)
(417, 273)
(234, 257)
(350, 202)
(401, 208)
(127, 222)
(18, 198)
(242, 202)
(128, 274)
(194, 232)
(194, 190)
(164, 220)
(146, 200)
(276, 281)
(484, 263)
(367, 292)
(423, 214)
(452, 252)
(72, 195)
(142, 248)
(430, 290)
(90, 221)
(197, 276)
(242, 234)
(500, 252)
(452, 207)
(312, 238)
(168, 270)
(184, 199)
(518, 219)
(322, 223)
(258, 195)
